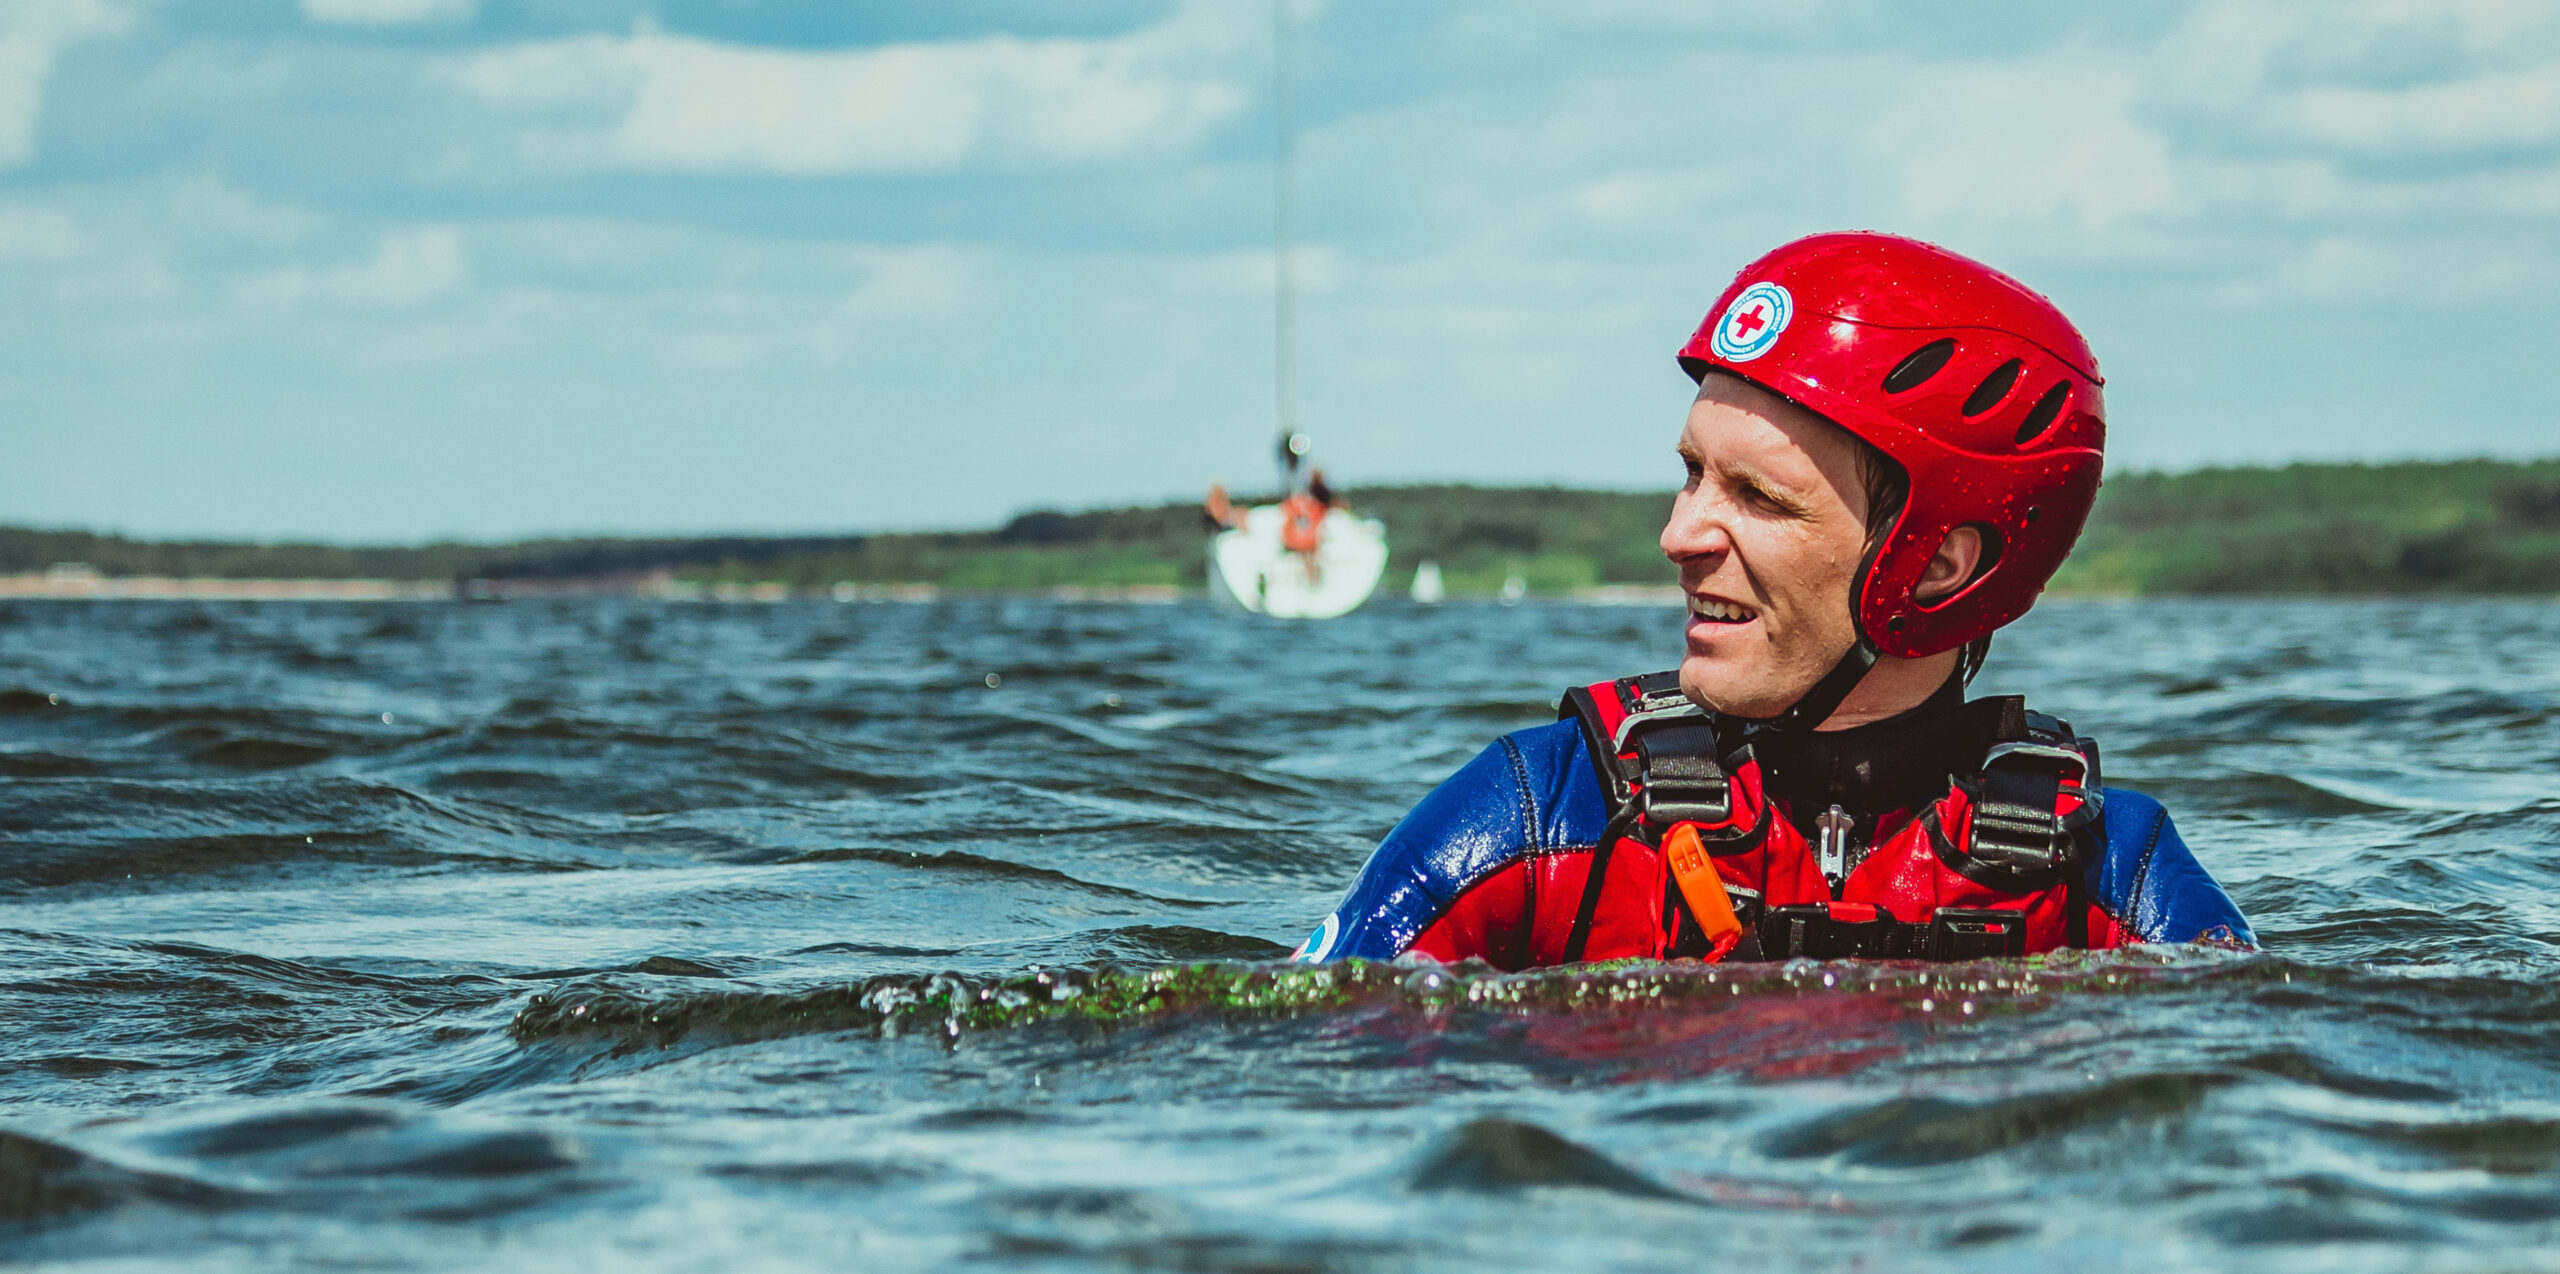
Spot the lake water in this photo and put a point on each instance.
(605, 935)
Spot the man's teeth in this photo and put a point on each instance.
(1719, 612)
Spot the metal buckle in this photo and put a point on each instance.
(1746, 904)
(1636, 720)
(2077, 761)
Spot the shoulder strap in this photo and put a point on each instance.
(1658, 757)
(1648, 716)
(1650, 744)
(2021, 839)
(1605, 707)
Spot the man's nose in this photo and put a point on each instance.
(1694, 531)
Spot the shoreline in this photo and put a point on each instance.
(83, 586)
(152, 588)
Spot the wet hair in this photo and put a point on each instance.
(1888, 488)
(1886, 485)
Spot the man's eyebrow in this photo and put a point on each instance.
(1760, 480)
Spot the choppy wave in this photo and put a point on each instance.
(909, 936)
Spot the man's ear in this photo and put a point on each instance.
(1953, 568)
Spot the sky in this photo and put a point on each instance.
(389, 270)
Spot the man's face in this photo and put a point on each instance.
(1766, 532)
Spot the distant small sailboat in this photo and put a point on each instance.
(1427, 588)
(1304, 557)
(1513, 589)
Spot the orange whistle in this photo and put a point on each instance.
(1699, 883)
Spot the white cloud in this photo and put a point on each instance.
(693, 105)
(409, 267)
(32, 34)
(1534, 21)
(1647, 199)
(387, 13)
(2379, 78)
(205, 205)
(2425, 275)
(926, 282)
(2503, 111)
(2054, 142)
(38, 234)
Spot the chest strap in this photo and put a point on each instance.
(1860, 931)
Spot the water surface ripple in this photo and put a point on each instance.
(910, 936)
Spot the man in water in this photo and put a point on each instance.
(1892, 448)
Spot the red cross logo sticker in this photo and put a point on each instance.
(1753, 322)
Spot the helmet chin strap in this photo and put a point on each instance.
(1825, 697)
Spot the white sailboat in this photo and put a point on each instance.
(1427, 588)
(1257, 571)
(1253, 561)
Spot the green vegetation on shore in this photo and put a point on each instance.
(2481, 526)
(2467, 525)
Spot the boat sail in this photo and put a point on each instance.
(1427, 588)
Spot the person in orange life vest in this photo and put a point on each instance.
(1890, 451)
(1302, 517)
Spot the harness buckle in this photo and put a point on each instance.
(1646, 719)
(1683, 781)
(1975, 933)
(2015, 825)
(1834, 931)
(2043, 751)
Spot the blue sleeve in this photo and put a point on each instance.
(2151, 882)
(1533, 789)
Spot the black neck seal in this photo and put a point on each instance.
(1901, 762)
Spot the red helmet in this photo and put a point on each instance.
(1979, 388)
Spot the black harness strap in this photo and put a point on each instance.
(2019, 843)
(1954, 933)
(1589, 908)
(1675, 776)
(1682, 781)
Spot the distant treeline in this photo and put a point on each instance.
(2481, 526)
(2471, 525)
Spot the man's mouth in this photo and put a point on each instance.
(1708, 610)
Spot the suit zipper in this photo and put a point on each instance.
(1832, 853)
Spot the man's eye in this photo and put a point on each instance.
(1767, 501)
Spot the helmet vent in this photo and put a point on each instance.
(1919, 366)
(2046, 409)
(1993, 388)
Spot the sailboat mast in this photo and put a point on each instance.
(1284, 290)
